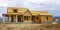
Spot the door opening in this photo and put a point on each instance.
(11, 18)
(19, 19)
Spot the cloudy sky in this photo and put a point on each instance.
(52, 6)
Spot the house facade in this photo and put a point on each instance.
(15, 14)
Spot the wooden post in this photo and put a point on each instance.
(23, 18)
(16, 18)
(9, 18)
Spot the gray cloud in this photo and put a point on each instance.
(52, 6)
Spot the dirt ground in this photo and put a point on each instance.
(25, 27)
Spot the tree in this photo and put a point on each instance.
(58, 20)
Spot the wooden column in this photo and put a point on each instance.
(35, 19)
(23, 18)
(31, 18)
(39, 19)
(9, 18)
(16, 18)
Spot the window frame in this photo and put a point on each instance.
(15, 10)
(26, 18)
(47, 18)
(33, 17)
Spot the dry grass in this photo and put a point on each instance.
(29, 27)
